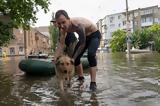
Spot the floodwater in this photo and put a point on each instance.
(121, 81)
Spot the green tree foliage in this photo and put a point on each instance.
(5, 34)
(118, 42)
(53, 30)
(155, 33)
(141, 38)
(22, 13)
(135, 38)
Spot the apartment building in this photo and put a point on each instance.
(138, 18)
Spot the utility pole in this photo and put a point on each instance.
(128, 30)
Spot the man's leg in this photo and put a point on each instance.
(79, 70)
(78, 65)
(93, 73)
(92, 48)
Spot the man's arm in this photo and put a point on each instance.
(60, 44)
(82, 40)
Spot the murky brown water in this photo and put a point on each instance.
(121, 82)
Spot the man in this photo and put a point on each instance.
(70, 40)
(89, 38)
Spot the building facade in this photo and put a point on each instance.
(33, 40)
(138, 18)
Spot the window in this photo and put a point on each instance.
(105, 27)
(12, 51)
(20, 49)
(149, 19)
(119, 25)
(119, 16)
(159, 20)
(156, 19)
(143, 20)
(124, 23)
(111, 19)
(146, 19)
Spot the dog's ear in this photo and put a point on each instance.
(58, 58)
(57, 62)
(72, 61)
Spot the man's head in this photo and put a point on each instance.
(62, 19)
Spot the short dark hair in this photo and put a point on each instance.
(61, 12)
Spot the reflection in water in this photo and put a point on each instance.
(121, 82)
(7, 70)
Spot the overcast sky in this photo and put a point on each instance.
(91, 9)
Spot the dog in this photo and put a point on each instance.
(64, 70)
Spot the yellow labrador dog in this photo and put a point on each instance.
(64, 70)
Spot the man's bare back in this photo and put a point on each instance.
(87, 24)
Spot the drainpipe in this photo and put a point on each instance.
(25, 44)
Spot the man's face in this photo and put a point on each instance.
(63, 22)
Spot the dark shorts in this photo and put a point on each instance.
(92, 44)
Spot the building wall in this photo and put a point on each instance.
(35, 42)
(16, 45)
(139, 18)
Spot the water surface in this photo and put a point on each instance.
(121, 81)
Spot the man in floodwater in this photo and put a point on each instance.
(89, 38)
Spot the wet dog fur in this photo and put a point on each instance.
(64, 70)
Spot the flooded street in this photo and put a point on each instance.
(121, 81)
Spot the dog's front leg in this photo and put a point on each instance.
(69, 81)
(61, 85)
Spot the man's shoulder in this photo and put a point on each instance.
(77, 18)
(80, 19)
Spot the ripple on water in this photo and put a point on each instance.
(142, 95)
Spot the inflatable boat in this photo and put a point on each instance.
(42, 66)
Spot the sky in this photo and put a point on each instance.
(91, 9)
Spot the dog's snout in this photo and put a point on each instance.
(65, 71)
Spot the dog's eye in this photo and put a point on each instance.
(67, 64)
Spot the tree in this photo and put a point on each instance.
(22, 13)
(155, 33)
(118, 42)
(141, 38)
(5, 34)
(53, 30)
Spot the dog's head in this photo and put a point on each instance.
(64, 64)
